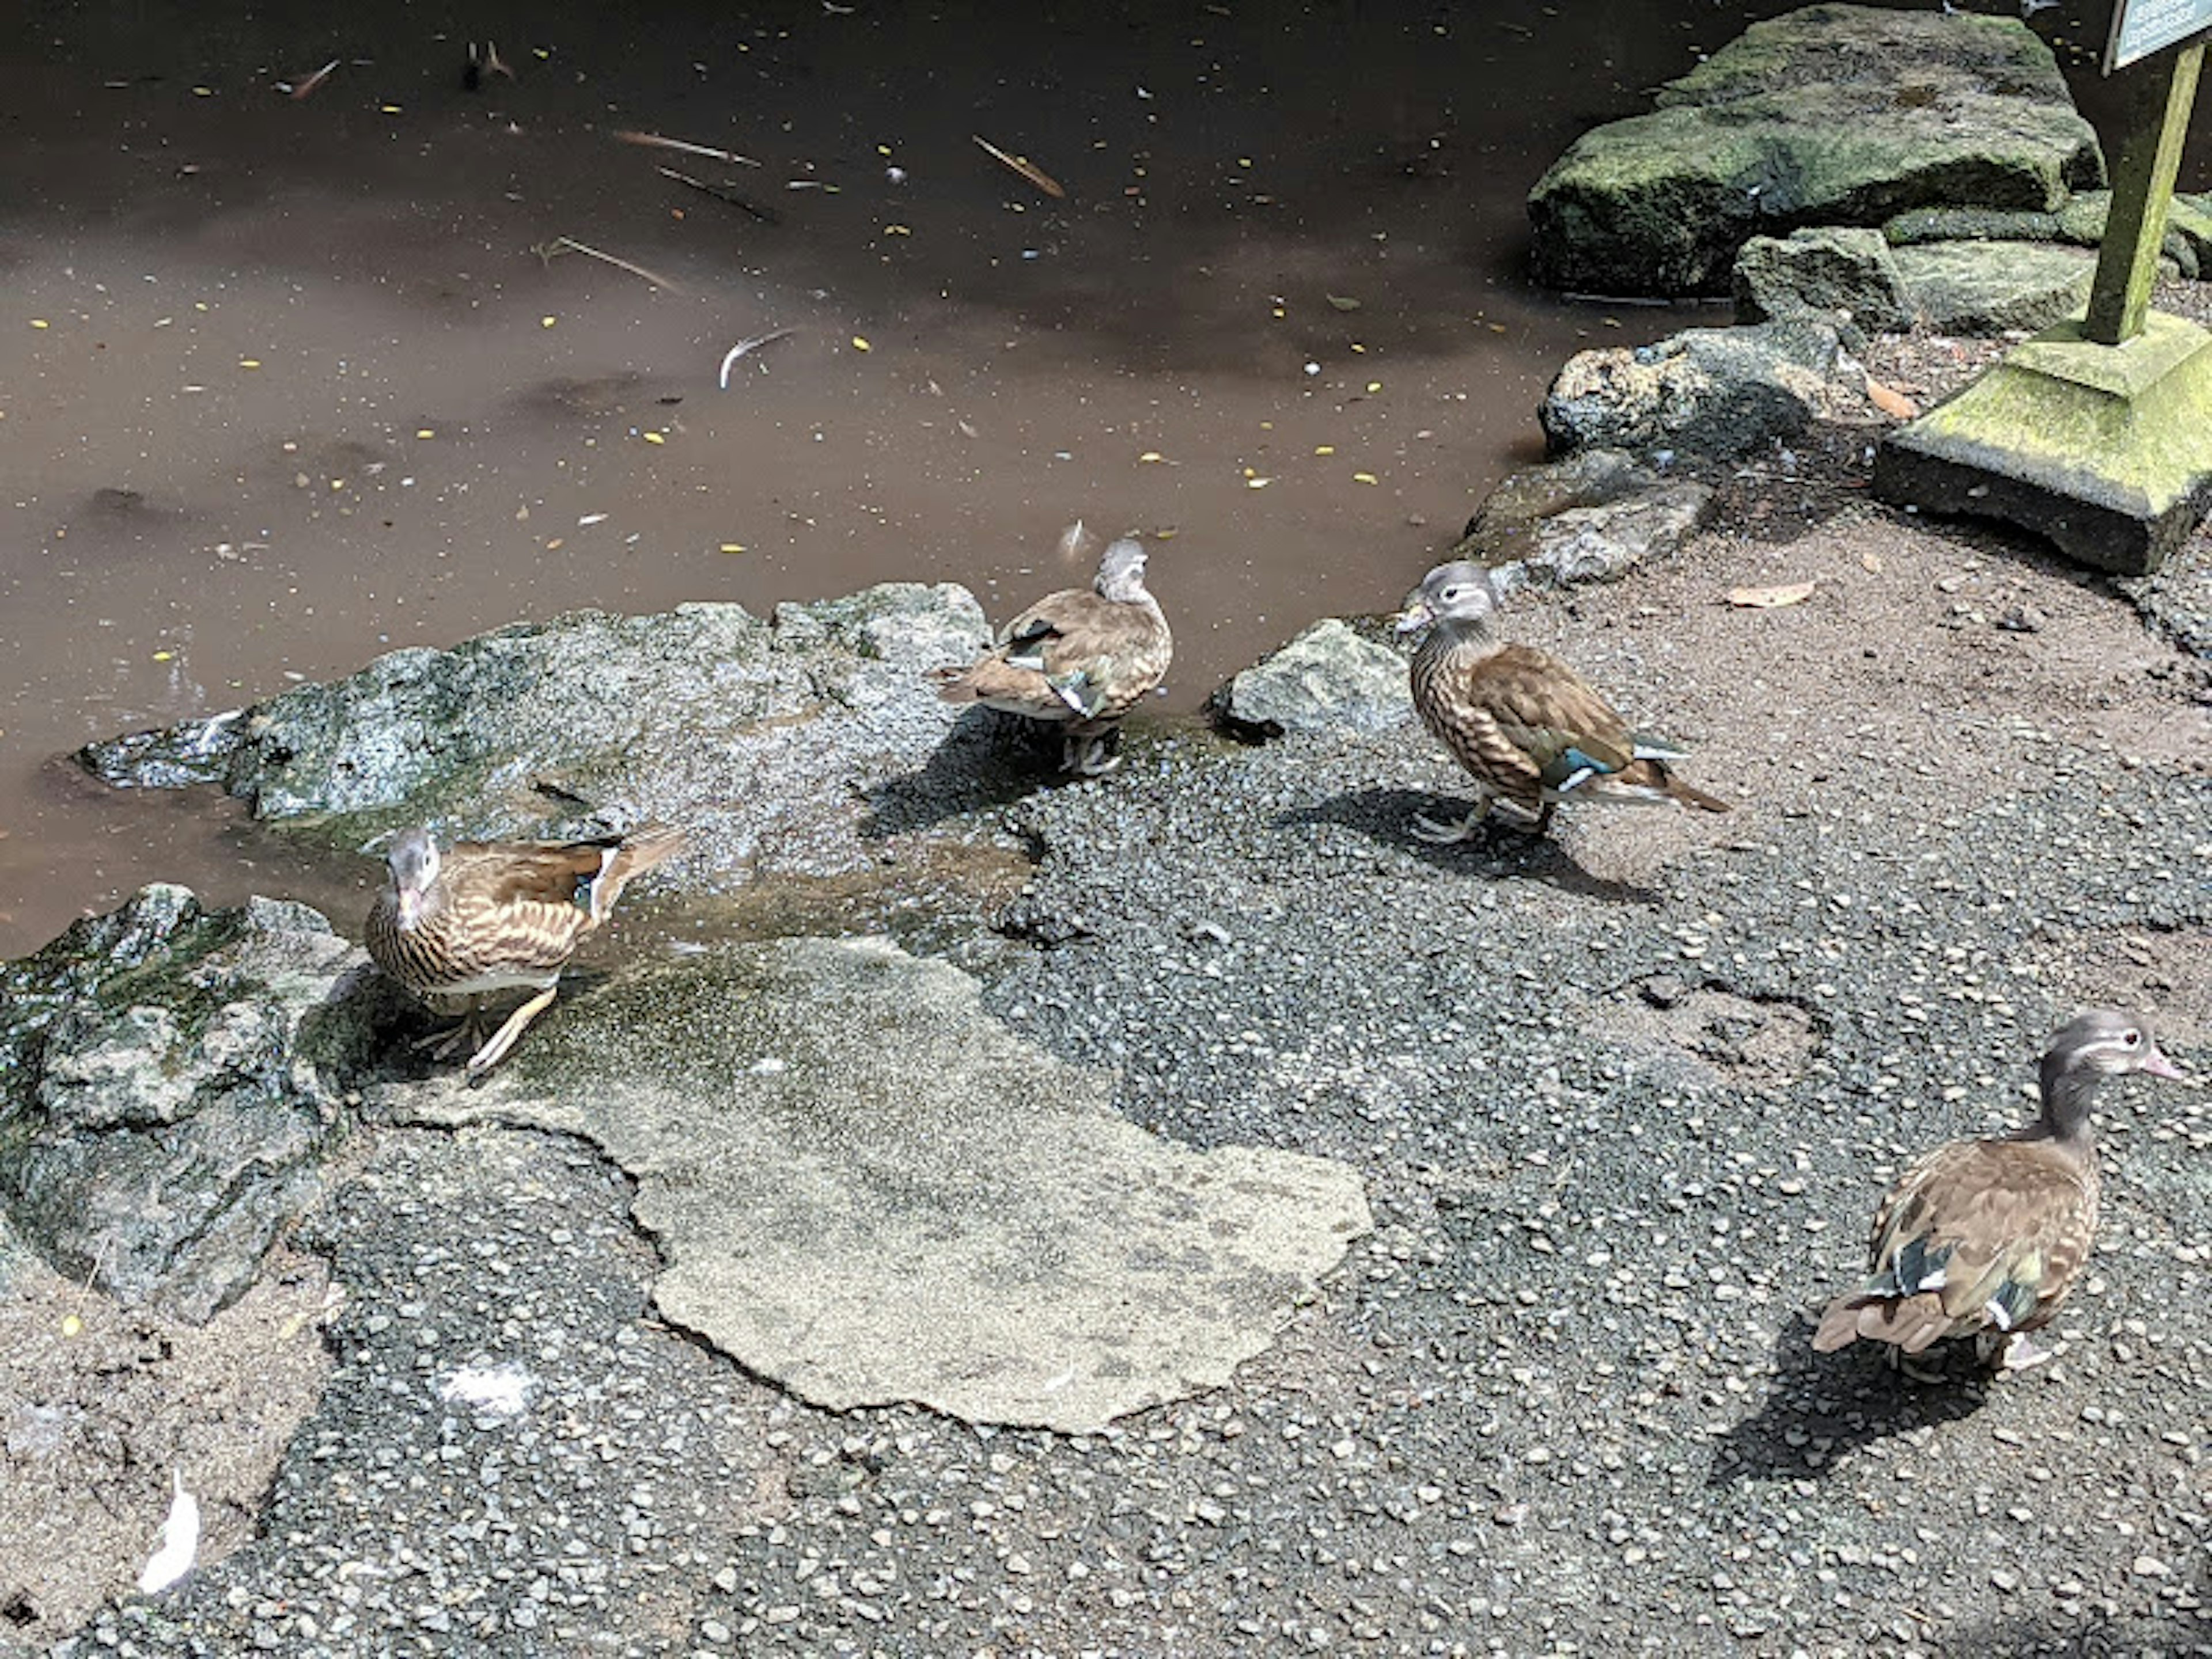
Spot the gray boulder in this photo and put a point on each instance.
(1825, 271)
(1602, 543)
(1988, 288)
(1327, 679)
(171, 1081)
(1837, 115)
(760, 736)
(1596, 514)
(1713, 392)
(866, 1189)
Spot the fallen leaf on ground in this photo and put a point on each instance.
(1769, 598)
(1890, 401)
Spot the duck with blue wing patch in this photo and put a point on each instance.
(1986, 1238)
(1526, 727)
(1080, 659)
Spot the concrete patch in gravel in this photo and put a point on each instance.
(867, 1189)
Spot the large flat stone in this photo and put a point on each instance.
(868, 1190)
(761, 736)
(1835, 115)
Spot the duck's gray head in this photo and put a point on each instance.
(1121, 571)
(414, 863)
(2089, 1047)
(1459, 594)
(2109, 1044)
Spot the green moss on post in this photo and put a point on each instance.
(2142, 186)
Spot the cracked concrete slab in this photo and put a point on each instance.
(867, 1189)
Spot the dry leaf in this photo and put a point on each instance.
(1768, 598)
(1890, 401)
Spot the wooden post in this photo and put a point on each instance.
(2143, 186)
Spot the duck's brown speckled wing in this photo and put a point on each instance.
(1072, 656)
(1517, 719)
(509, 913)
(1977, 1235)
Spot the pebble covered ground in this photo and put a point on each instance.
(1625, 1100)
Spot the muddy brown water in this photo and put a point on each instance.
(286, 382)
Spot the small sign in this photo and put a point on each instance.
(2141, 28)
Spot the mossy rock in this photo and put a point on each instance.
(1836, 115)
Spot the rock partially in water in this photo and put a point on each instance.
(171, 1081)
(1604, 542)
(1594, 515)
(869, 1190)
(1327, 679)
(1835, 114)
(1711, 392)
(759, 736)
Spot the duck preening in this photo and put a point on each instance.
(483, 917)
(1526, 727)
(1080, 659)
(1986, 1239)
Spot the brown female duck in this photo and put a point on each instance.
(1080, 659)
(1986, 1239)
(483, 917)
(1526, 726)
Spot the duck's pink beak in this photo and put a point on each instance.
(2158, 1064)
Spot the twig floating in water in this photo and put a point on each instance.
(302, 88)
(766, 215)
(1021, 164)
(730, 358)
(574, 247)
(653, 140)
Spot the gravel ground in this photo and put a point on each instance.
(1625, 1100)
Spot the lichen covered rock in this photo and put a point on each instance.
(171, 1081)
(1836, 115)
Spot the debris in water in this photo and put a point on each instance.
(653, 140)
(481, 65)
(1021, 164)
(302, 88)
(545, 250)
(766, 215)
(746, 346)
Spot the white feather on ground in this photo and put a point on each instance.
(180, 1541)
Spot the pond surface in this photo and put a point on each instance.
(287, 381)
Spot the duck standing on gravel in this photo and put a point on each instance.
(1526, 726)
(1984, 1238)
(484, 917)
(1078, 659)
